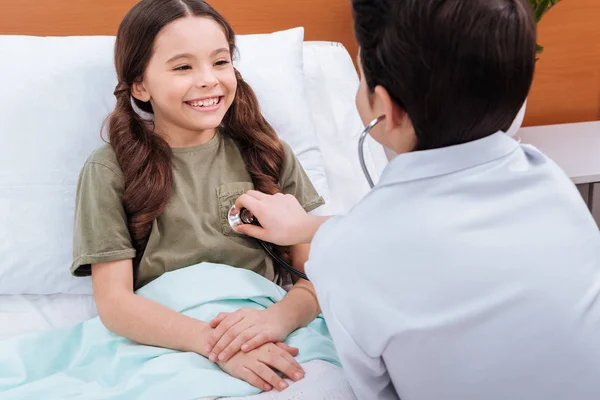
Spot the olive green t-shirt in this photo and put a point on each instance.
(193, 227)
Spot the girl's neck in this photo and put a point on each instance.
(181, 138)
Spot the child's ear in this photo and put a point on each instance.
(394, 116)
(138, 90)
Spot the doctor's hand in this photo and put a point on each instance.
(282, 219)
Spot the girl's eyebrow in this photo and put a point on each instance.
(188, 55)
(219, 51)
(178, 56)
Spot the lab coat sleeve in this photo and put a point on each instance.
(367, 375)
(340, 297)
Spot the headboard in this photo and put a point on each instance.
(566, 86)
(322, 19)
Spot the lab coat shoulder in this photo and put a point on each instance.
(350, 246)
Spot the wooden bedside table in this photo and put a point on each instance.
(576, 149)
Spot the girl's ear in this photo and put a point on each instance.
(138, 90)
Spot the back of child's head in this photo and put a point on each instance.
(461, 69)
(143, 153)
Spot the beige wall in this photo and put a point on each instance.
(567, 81)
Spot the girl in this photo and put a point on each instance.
(155, 199)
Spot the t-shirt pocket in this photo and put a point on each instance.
(226, 196)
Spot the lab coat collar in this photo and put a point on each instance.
(430, 163)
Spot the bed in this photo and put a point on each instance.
(331, 78)
(44, 115)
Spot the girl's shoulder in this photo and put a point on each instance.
(104, 157)
(101, 174)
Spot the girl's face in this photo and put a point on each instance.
(190, 80)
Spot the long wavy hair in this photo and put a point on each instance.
(144, 157)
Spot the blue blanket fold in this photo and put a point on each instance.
(89, 362)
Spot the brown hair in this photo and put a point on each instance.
(144, 157)
(460, 69)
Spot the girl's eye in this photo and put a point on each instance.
(183, 68)
(222, 62)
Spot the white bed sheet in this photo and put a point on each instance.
(21, 314)
(331, 83)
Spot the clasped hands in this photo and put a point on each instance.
(248, 344)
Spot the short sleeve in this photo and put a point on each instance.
(295, 181)
(100, 231)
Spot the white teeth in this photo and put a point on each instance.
(205, 103)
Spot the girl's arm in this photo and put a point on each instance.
(140, 319)
(300, 306)
(248, 329)
(150, 323)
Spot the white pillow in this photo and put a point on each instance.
(331, 82)
(273, 65)
(55, 93)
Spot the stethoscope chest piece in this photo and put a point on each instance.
(237, 217)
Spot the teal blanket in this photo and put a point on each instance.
(89, 362)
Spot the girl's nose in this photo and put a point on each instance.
(206, 78)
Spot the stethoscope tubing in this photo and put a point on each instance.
(245, 217)
(361, 148)
(237, 219)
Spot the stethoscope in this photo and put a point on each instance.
(243, 216)
(361, 148)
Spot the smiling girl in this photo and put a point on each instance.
(155, 199)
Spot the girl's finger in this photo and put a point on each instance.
(237, 343)
(269, 376)
(298, 372)
(227, 338)
(255, 342)
(218, 319)
(294, 351)
(252, 378)
(223, 327)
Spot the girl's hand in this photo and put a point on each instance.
(258, 366)
(246, 329)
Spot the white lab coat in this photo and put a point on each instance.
(469, 272)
